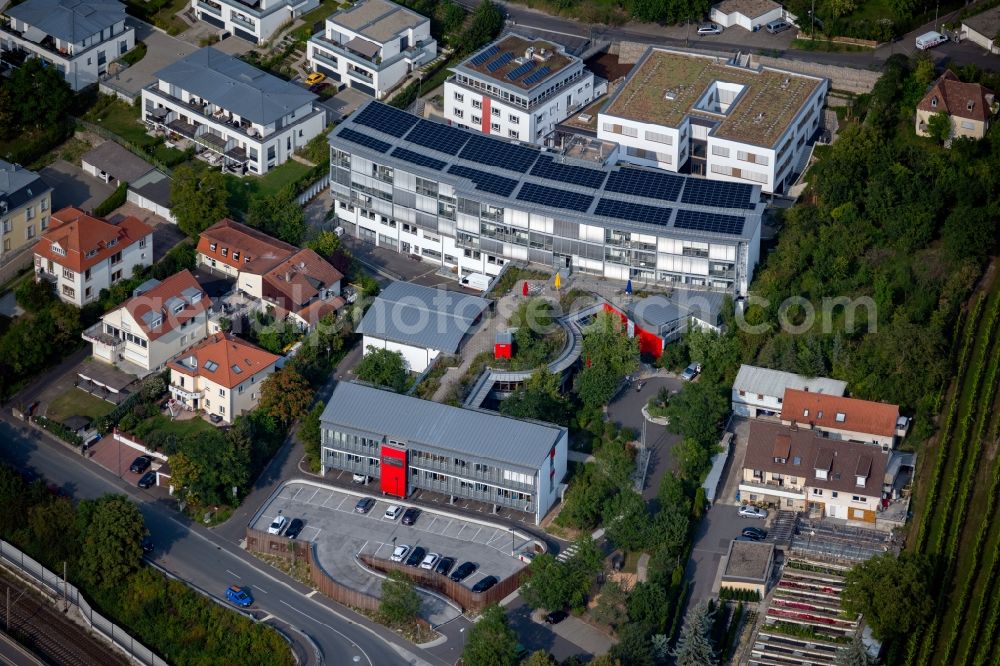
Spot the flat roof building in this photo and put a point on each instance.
(372, 46)
(411, 444)
(761, 391)
(252, 20)
(712, 117)
(518, 88)
(420, 322)
(747, 14)
(474, 202)
(748, 566)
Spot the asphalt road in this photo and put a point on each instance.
(210, 562)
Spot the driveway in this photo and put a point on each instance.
(161, 50)
(166, 234)
(73, 187)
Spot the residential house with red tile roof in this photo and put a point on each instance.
(82, 254)
(298, 283)
(220, 375)
(838, 417)
(159, 321)
(970, 107)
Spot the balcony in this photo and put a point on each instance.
(772, 489)
(361, 75)
(48, 44)
(209, 6)
(320, 56)
(184, 394)
(243, 22)
(202, 108)
(95, 334)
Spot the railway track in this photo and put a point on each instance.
(41, 627)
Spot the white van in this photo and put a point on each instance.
(476, 281)
(929, 40)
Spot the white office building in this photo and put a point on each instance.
(473, 202)
(79, 38)
(252, 20)
(239, 117)
(372, 46)
(710, 117)
(518, 88)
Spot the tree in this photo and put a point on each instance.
(485, 24)
(491, 642)
(696, 412)
(384, 367)
(34, 296)
(609, 355)
(540, 658)
(285, 395)
(626, 521)
(694, 646)
(874, 588)
(309, 435)
(112, 543)
(551, 585)
(400, 603)
(278, 215)
(208, 465)
(53, 530)
(538, 398)
(611, 606)
(648, 607)
(596, 386)
(326, 244)
(199, 197)
(855, 653)
(939, 127)
(34, 97)
(633, 647)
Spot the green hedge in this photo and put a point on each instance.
(734, 594)
(135, 55)
(116, 199)
(59, 430)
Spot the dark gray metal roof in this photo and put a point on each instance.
(657, 310)
(18, 186)
(112, 159)
(471, 432)
(422, 316)
(154, 186)
(70, 20)
(236, 86)
(766, 381)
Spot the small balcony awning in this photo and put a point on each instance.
(182, 128)
(363, 47)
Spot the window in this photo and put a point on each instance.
(240, 391)
(68, 291)
(270, 152)
(477, 120)
(6, 245)
(514, 134)
(30, 231)
(6, 226)
(116, 258)
(834, 494)
(817, 491)
(477, 104)
(495, 127)
(225, 252)
(86, 274)
(142, 242)
(236, 255)
(29, 212)
(44, 205)
(222, 393)
(495, 112)
(858, 498)
(212, 247)
(116, 276)
(514, 120)
(45, 222)
(968, 124)
(459, 97)
(459, 113)
(68, 274)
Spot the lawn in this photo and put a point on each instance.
(164, 18)
(75, 402)
(180, 429)
(116, 116)
(242, 189)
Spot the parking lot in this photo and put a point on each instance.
(340, 533)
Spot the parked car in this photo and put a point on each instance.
(752, 512)
(521, 653)
(215, 418)
(314, 78)
(319, 87)
(364, 505)
(140, 464)
(148, 480)
(527, 556)
(463, 571)
(294, 528)
(279, 523)
(710, 29)
(239, 596)
(359, 479)
(485, 584)
(399, 553)
(754, 533)
(147, 545)
(444, 565)
(416, 557)
(410, 516)
(555, 617)
(690, 372)
(430, 561)
(776, 26)
(745, 538)
(392, 513)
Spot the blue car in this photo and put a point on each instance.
(239, 596)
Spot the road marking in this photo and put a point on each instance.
(341, 502)
(234, 574)
(473, 539)
(260, 589)
(309, 501)
(267, 617)
(324, 624)
(310, 595)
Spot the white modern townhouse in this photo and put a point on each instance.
(252, 20)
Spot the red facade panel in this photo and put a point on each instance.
(486, 115)
(649, 343)
(502, 350)
(393, 470)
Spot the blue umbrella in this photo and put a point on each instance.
(628, 287)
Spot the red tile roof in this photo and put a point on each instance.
(808, 451)
(963, 100)
(156, 300)
(299, 279)
(223, 359)
(246, 248)
(79, 235)
(835, 412)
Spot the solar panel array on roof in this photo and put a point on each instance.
(386, 119)
(641, 183)
(485, 181)
(537, 76)
(364, 140)
(710, 222)
(521, 70)
(716, 193)
(485, 55)
(418, 158)
(494, 152)
(546, 167)
(504, 58)
(437, 136)
(550, 196)
(624, 210)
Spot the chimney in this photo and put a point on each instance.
(288, 276)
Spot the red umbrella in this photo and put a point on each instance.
(524, 291)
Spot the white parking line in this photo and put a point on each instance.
(233, 574)
(342, 502)
(297, 491)
(473, 539)
(310, 595)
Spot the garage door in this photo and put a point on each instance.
(208, 18)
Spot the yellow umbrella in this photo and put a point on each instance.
(558, 281)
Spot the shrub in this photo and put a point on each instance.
(116, 199)
(59, 430)
(736, 594)
(135, 55)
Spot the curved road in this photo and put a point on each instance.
(206, 560)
